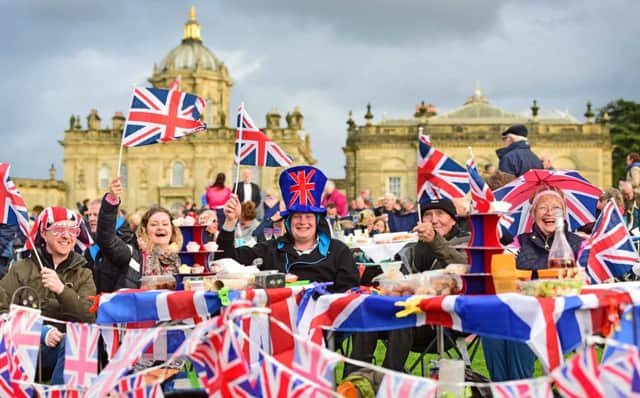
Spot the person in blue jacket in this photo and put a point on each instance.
(516, 158)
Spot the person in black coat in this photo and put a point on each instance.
(247, 190)
(516, 158)
(306, 249)
(509, 360)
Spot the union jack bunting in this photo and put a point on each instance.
(395, 385)
(13, 209)
(481, 194)
(135, 386)
(25, 325)
(54, 391)
(620, 372)
(609, 252)
(133, 345)
(438, 175)
(81, 353)
(159, 115)
(6, 388)
(529, 388)
(580, 377)
(253, 147)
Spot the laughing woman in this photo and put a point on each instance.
(154, 253)
(509, 360)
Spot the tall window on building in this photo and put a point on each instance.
(177, 174)
(124, 175)
(394, 185)
(103, 177)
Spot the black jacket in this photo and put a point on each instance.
(517, 159)
(330, 261)
(255, 193)
(534, 248)
(118, 263)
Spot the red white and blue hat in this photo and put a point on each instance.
(52, 215)
(302, 188)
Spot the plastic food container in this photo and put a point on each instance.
(550, 287)
(430, 282)
(158, 282)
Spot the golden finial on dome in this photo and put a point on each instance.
(191, 27)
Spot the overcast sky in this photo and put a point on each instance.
(66, 57)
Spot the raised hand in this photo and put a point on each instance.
(51, 280)
(115, 189)
(232, 211)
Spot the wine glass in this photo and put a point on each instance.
(268, 233)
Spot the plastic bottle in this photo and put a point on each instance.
(560, 254)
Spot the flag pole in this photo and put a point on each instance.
(420, 130)
(35, 251)
(124, 130)
(239, 127)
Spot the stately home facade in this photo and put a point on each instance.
(382, 156)
(170, 173)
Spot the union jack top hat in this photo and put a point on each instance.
(302, 188)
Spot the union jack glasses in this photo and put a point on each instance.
(59, 231)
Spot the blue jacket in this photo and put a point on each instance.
(517, 159)
(534, 248)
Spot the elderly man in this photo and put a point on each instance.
(61, 282)
(436, 234)
(631, 204)
(306, 249)
(516, 158)
(247, 190)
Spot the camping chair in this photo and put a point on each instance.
(456, 345)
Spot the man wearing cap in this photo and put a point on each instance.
(306, 249)
(61, 281)
(436, 234)
(516, 157)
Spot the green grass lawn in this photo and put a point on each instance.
(478, 363)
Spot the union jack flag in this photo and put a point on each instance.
(175, 84)
(312, 362)
(609, 251)
(25, 325)
(13, 209)
(580, 377)
(135, 386)
(81, 353)
(438, 175)
(159, 115)
(396, 385)
(253, 147)
(531, 388)
(6, 388)
(133, 345)
(481, 194)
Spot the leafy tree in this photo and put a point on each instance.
(624, 120)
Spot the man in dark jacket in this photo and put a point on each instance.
(307, 249)
(247, 190)
(436, 235)
(516, 157)
(58, 277)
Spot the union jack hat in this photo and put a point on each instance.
(52, 215)
(302, 188)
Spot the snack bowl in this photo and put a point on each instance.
(428, 282)
(550, 287)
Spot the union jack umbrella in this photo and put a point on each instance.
(580, 197)
(438, 175)
(160, 115)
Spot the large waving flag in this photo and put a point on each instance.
(253, 148)
(438, 175)
(609, 251)
(13, 209)
(160, 115)
(481, 194)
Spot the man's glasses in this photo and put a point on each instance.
(59, 231)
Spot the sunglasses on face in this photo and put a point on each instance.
(59, 231)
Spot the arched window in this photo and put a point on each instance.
(124, 175)
(103, 177)
(177, 174)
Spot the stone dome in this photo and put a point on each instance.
(191, 53)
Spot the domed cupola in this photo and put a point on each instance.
(191, 53)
